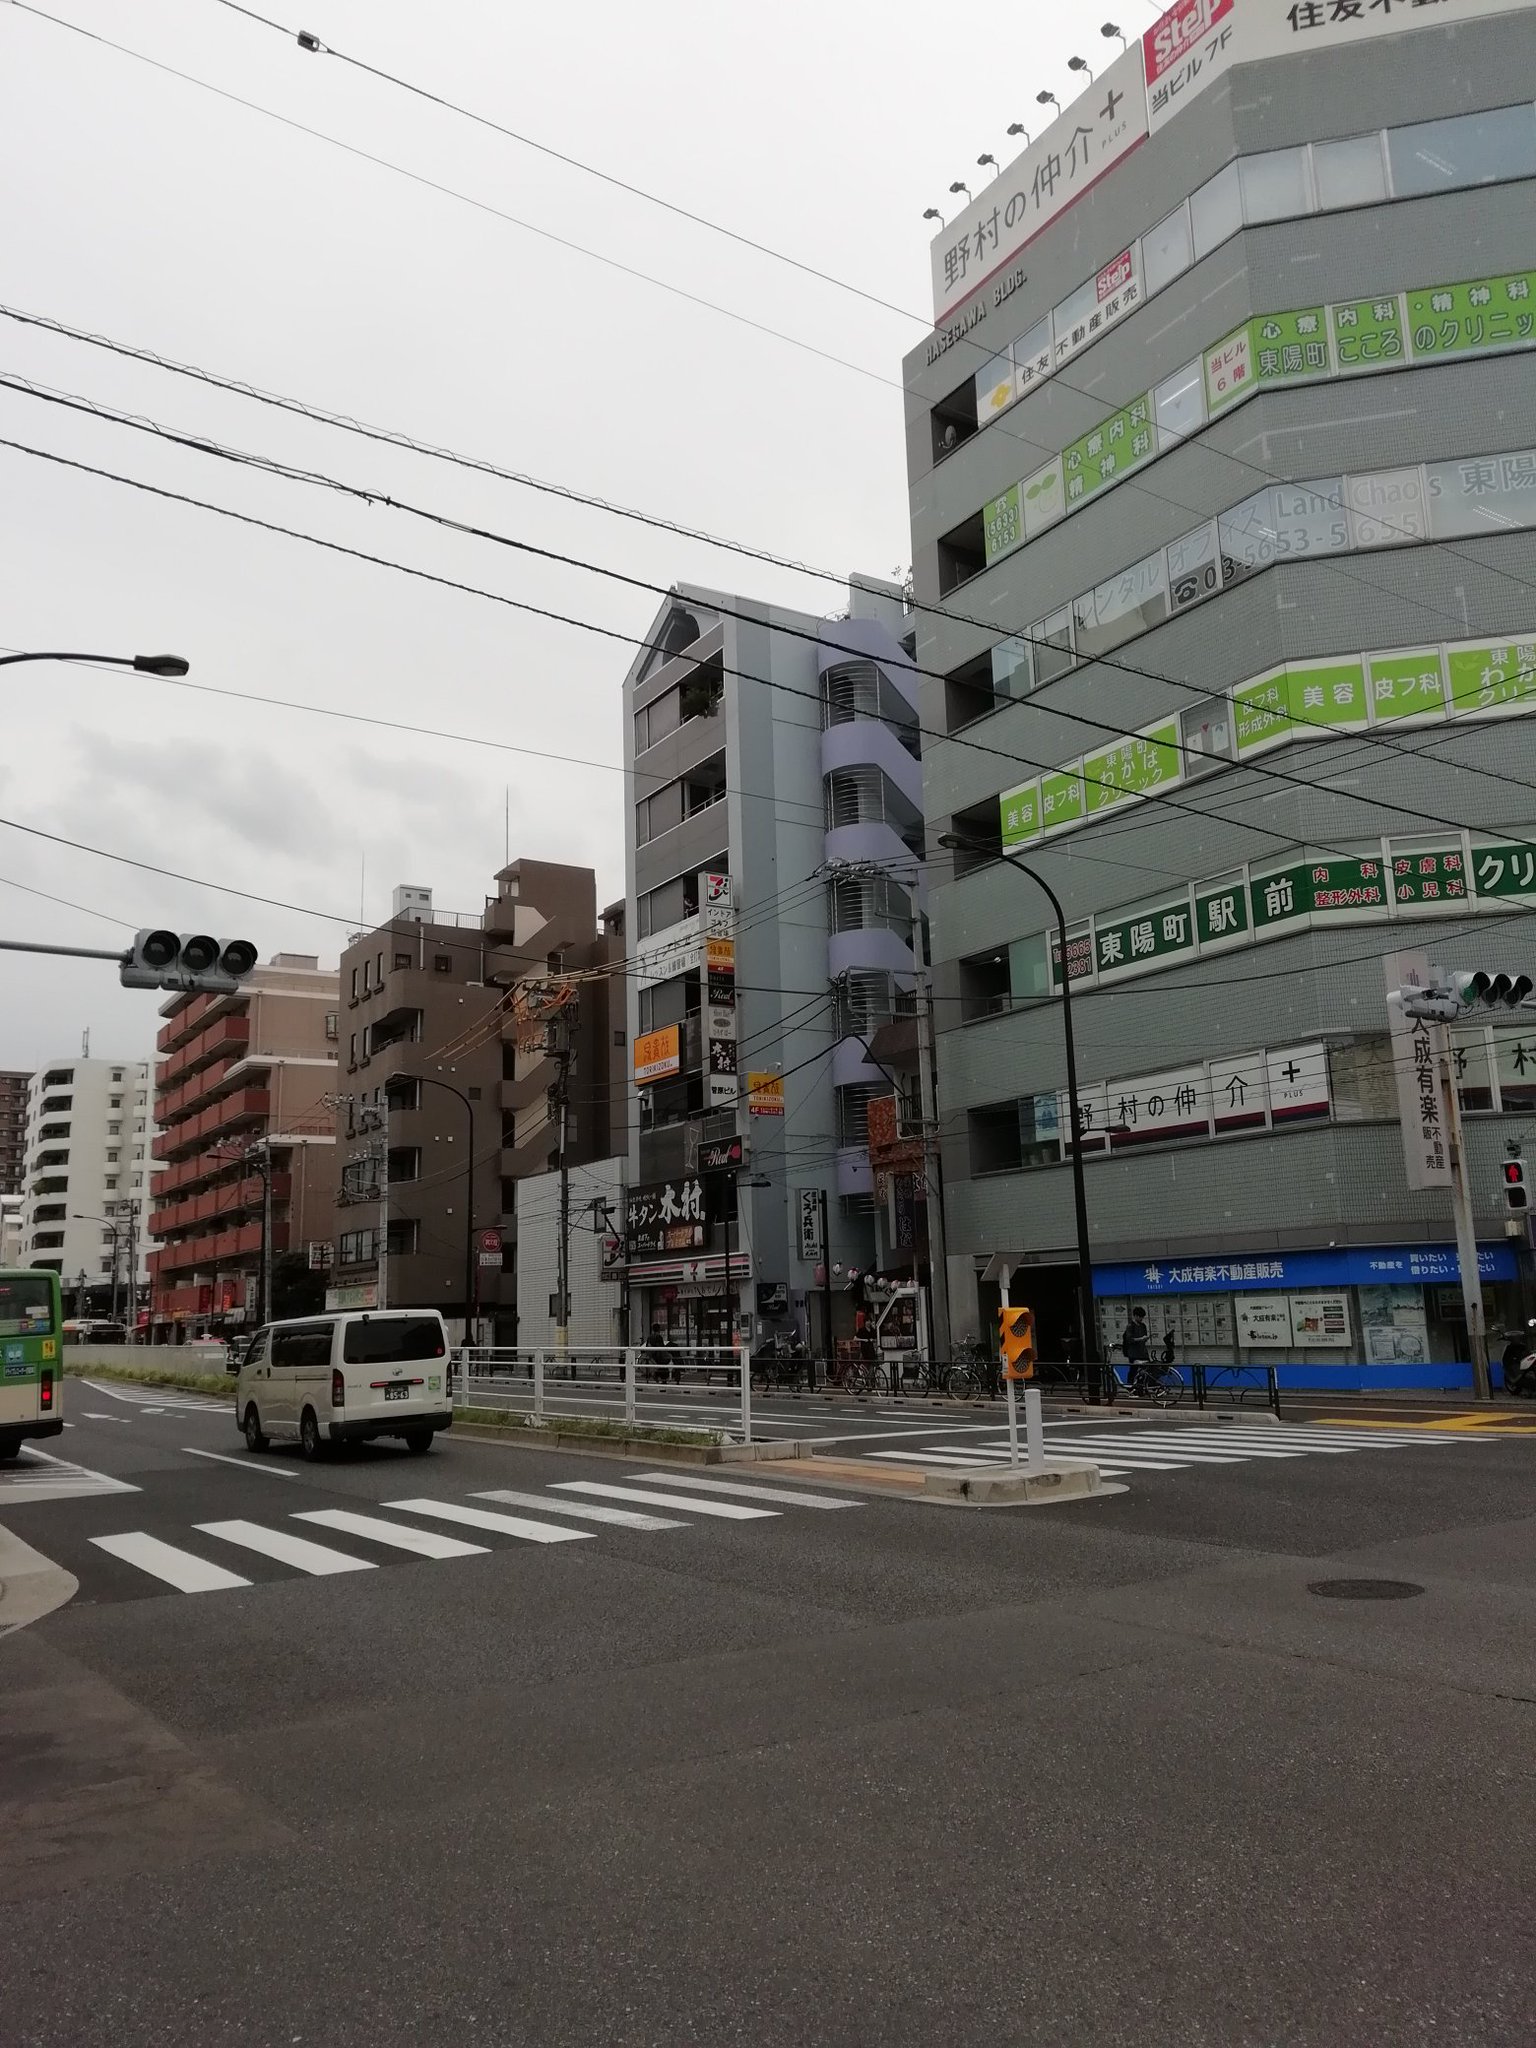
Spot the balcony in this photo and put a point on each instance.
(230, 1035)
(221, 1202)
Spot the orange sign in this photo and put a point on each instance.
(765, 1094)
(720, 955)
(658, 1053)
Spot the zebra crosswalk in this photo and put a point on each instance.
(1121, 1452)
(331, 1542)
(37, 1474)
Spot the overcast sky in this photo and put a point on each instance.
(163, 216)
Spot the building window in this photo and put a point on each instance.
(114, 1130)
(332, 1025)
(1216, 210)
(402, 962)
(117, 1074)
(116, 1102)
(1349, 173)
(1275, 185)
(1469, 149)
(110, 1185)
(354, 984)
(112, 1158)
(442, 963)
(379, 970)
(1168, 250)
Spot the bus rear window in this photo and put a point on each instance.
(388, 1340)
(26, 1305)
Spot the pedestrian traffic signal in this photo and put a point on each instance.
(1517, 1196)
(1492, 991)
(187, 961)
(1016, 1340)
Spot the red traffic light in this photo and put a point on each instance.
(1514, 1173)
(1516, 1195)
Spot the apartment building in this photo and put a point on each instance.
(1222, 457)
(88, 1136)
(247, 1145)
(471, 1042)
(773, 855)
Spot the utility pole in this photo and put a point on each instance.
(933, 1165)
(826, 1283)
(564, 1048)
(381, 1246)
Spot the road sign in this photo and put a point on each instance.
(490, 1247)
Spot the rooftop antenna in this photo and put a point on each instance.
(362, 888)
(85, 1043)
(506, 857)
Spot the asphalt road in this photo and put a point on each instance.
(1096, 1773)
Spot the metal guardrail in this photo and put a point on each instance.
(1241, 1381)
(608, 1382)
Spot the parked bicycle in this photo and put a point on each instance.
(780, 1362)
(1163, 1385)
(972, 1372)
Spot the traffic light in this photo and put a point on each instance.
(1491, 991)
(1517, 1196)
(187, 961)
(1016, 1340)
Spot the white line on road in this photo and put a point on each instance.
(424, 1542)
(243, 1464)
(178, 1568)
(619, 1518)
(778, 1493)
(313, 1558)
(483, 1518)
(90, 1415)
(726, 1510)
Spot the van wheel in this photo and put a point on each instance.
(10, 1446)
(418, 1440)
(310, 1443)
(254, 1440)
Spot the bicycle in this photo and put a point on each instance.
(972, 1373)
(1163, 1385)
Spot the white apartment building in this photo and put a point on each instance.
(87, 1169)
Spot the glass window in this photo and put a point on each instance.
(1349, 173)
(1471, 149)
(1275, 185)
(662, 715)
(1489, 494)
(1179, 404)
(1246, 536)
(388, 1340)
(1123, 606)
(1032, 357)
(1070, 319)
(1193, 571)
(994, 388)
(1168, 250)
(1310, 518)
(1216, 210)
(1039, 1130)
(1053, 646)
(1011, 675)
(1028, 974)
(1206, 732)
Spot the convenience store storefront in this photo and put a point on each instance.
(1350, 1318)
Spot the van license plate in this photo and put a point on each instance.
(396, 1393)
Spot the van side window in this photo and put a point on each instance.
(256, 1350)
(306, 1344)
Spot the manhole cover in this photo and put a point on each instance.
(1365, 1589)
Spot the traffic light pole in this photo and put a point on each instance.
(1034, 1419)
(1466, 1232)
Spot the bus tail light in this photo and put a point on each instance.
(45, 1390)
(338, 1390)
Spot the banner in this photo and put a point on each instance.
(1417, 1049)
(658, 1053)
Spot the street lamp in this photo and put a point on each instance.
(1110, 29)
(957, 842)
(146, 664)
(1080, 64)
(933, 213)
(1018, 128)
(960, 186)
(471, 1304)
(1048, 99)
(985, 158)
(106, 1221)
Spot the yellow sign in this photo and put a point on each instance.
(765, 1094)
(720, 955)
(658, 1053)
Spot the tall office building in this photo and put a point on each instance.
(772, 857)
(89, 1127)
(1223, 487)
(247, 1145)
(13, 1130)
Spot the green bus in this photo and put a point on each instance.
(31, 1356)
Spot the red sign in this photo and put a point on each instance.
(1114, 277)
(490, 1247)
(1170, 40)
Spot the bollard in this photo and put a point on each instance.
(630, 1368)
(538, 1386)
(744, 1356)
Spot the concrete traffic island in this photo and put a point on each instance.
(31, 1585)
(1011, 1486)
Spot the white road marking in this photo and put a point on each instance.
(178, 1568)
(304, 1556)
(1191, 1454)
(585, 1511)
(92, 1415)
(483, 1518)
(41, 1475)
(424, 1542)
(726, 1510)
(243, 1464)
(778, 1493)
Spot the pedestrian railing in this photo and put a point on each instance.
(1238, 1383)
(642, 1387)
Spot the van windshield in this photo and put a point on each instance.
(383, 1340)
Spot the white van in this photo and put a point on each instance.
(340, 1379)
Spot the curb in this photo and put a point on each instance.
(31, 1585)
(632, 1447)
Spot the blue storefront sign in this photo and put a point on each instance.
(1338, 1266)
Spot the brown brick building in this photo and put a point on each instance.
(243, 1089)
(13, 1131)
(438, 1027)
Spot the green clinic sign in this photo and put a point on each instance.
(1002, 525)
(1288, 346)
(1148, 937)
(1488, 681)
(1019, 811)
(1228, 370)
(1407, 685)
(1115, 446)
(1061, 799)
(1326, 693)
(1261, 713)
(1468, 319)
(1043, 498)
(1504, 870)
(1132, 767)
(1318, 888)
(1368, 333)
